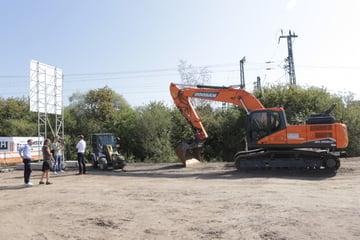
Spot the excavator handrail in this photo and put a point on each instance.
(220, 94)
(201, 86)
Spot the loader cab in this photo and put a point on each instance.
(100, 140)
(262, 123)
(105, 151)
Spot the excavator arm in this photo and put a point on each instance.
(188, 151)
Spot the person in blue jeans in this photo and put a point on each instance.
(25, 154)
(57, 147)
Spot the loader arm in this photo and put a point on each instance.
(182, 94)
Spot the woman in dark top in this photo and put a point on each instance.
(48, 160)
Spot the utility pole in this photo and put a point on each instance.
(242, 76)
(257, 84)
(290, 67)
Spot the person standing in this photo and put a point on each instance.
(25, 154)
(81, 146)
(57, 147)
(48, 161)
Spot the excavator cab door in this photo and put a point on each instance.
(262, 123)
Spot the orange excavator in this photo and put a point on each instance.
(271, 142)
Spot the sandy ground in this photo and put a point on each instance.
(166, 201)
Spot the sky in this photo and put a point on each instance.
(134, 47)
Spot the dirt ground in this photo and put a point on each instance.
(167, 201)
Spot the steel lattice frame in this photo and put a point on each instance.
(46, 97)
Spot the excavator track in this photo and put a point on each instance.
(289, 158)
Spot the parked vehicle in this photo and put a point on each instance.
(105, 151)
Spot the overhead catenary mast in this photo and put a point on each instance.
(257, 84)
(242, 75)
(290, 67)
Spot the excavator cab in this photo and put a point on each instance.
(262, 123)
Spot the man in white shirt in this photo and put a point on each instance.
(81, 146)
(25, 154)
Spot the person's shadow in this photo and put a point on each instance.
(15, 187)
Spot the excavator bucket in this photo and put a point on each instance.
(188, 156)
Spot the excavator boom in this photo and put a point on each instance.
(189, 152)
(182, 93)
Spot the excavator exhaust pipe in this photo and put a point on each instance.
(188, 156)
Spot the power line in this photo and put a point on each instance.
(329, 67)
(174, 71)
(146, 74)
(13, 76)
(153, 70)
(121, 72)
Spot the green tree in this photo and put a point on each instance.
(153, 133)
(16, 118)
(299, 103)
(226, 129)
(350, 115)
(99, 110)
(180, 128)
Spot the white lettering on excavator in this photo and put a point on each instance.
(293, 136)
(206, 94)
